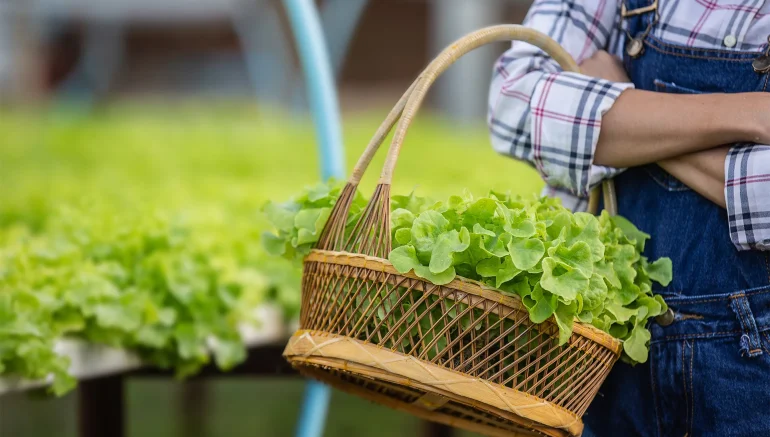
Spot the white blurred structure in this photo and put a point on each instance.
(266, 48)
(20, 74)
(266, 62)
(462, 91)
(6, 52)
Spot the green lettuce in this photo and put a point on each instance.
(562, 265)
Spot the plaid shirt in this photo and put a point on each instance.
(552, 119)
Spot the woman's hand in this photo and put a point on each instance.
(604, 66)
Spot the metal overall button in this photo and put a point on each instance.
(762, 63)
(666, 318)
(635, 45)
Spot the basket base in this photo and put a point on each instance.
(307, 352)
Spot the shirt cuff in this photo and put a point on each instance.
(566, 114)
(568, 200)
(747, 195)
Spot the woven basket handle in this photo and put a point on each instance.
(379, 136)
(412, 99)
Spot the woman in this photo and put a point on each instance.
(672, 104)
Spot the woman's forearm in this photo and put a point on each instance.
(703, 171)
(644, 127)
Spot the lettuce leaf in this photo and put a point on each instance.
(563, 265)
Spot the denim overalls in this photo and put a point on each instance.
(709, 370)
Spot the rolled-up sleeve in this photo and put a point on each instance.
(747, 195)
(545, 116)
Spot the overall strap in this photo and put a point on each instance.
(637, 17)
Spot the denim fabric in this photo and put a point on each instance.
(709, 372)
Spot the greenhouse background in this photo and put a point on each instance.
(115, 113)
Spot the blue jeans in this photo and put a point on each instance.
(709, 371)
(708, 374)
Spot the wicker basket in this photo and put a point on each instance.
(462, 354)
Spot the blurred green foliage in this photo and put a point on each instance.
(200, 173)
(214, 159)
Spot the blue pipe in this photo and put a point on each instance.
(319, 80)
(312, 418)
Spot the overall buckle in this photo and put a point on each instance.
(635, 45)
(625, 13)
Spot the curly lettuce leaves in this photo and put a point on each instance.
(564, 265)
(299, 222)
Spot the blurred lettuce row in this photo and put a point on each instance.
(175, 290)
(138, 227)
(81, 197)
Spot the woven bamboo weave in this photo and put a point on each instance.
(323, 349)
(462, 353)
(405, 397)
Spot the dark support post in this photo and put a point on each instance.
(100, 407)
(433, 429)
(193, 402)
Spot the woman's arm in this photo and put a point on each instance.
(734, 177)
(628, 139)
(550, 118)
(577, 129)
(704, 172)
(645, 126)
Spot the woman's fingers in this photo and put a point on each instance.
(603, 65)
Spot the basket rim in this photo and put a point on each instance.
(321, 373)
(460, 283)
(321, 348)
